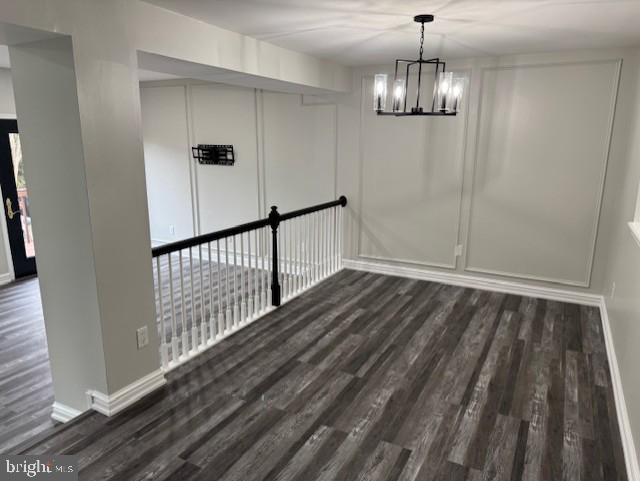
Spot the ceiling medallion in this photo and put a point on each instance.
(447, 89)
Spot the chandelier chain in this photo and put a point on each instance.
(421, 39)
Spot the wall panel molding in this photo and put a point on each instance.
(197, 129)
(476, 282)
(612, 96)
(451, 262)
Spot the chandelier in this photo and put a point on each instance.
(447, 89)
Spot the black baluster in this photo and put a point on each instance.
(274, 221)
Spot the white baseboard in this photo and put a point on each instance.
(6, 278)
(63, 413)
(631, 460)
(125, 397)
(476, 282)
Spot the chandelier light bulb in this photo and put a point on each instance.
(380, 92)
(444, 87)
(398, 95)
(455, 96)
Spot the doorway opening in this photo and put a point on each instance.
(16, 200)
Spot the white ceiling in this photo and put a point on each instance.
(361, 32)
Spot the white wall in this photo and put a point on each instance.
(622, 282)
(299, 136)
(541, 155)
(285, 151)
(167, 159)
(7, 111)
(44, 74)
(226, 195)
(7, 103)
(516, 180)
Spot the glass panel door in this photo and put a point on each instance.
(23, 194)
(16, 200)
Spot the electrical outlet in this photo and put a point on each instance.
(458, 250)
(613, 290)
(172, 230)
(142, 335)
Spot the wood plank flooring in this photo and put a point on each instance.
(370, 377)
(26, 393)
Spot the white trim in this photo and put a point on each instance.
(125, 397)
(7, 246)
(455, 279)
(6, 278)
(410, 262)
(630, 457)
(635, 229)
(617, 62)
(63, 413)
(527, 277)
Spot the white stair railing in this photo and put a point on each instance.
(209, 287)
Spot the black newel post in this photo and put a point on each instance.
(274, 221)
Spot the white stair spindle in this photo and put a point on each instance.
(212, 322)
(327, 242)
(329, 239)
(310, 250)
(221, 323)
(340, 227)
(229, 319)
(174, 325)
(283, 253)
(297, 256)
(249, 297)
(316, 249)
(236, 307)
(194, 310)
(164, 354)
(203, 324)
(263, 272)
(256, 275)
(243, 295)
(334, 239)
(307, 251)
(323, 244)
(185, 338)
(290, 252)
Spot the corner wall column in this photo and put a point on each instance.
(78, 110)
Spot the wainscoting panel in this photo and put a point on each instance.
(166, 153)
(299, 151)
(411, 185)
(541, 155)
(227, 195)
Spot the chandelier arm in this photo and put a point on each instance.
(435, 88)
(420, 66)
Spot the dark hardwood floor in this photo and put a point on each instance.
(26, 394)
(370, 377)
